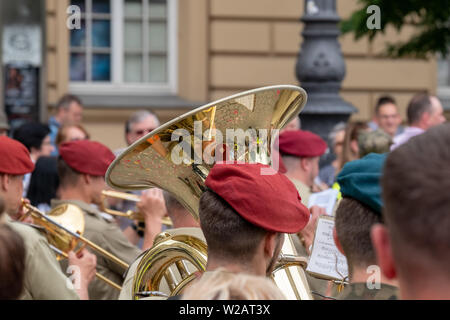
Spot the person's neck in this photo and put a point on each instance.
(425, 292)
(360, 275)
(74, 194)
(300, 176)
(249, 268)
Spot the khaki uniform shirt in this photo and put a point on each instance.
(127, 289)
(359, 291)
(303, 190)
(44, 279)
(107, 235)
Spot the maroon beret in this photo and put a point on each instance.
(268, 201)
(14, 157)
(86, 156)
(304, 144)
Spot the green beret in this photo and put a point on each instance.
(360, 180)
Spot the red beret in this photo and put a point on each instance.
(14, 157)
(301, 143)
(268, 201)
(86, 156)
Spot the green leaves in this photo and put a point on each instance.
(430, 18)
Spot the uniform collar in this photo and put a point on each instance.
(89, 209)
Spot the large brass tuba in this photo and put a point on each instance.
(178, 156)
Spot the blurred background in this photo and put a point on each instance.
(170, 56)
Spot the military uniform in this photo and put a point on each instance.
(303, 190)
(107, 235)
(127, 289)
(360, 291)
(44, 279)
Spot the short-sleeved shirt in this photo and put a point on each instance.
(44, 279)
(108, 236)
(360, 291)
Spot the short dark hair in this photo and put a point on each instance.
(12, 263)
(416, 184)
(31, 134)
(44, 181)
(382, 101)
(66, 100)
(353, 221)
(67, 175)
(418, 105)
(228, 235)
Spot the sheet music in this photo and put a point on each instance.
(324, 253)
(325, 199)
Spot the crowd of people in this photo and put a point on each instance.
(392, 213)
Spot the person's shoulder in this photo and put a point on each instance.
(27, 232)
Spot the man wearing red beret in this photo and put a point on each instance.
(300, 151)
(44, 279)
(81, 167)
(244, 215)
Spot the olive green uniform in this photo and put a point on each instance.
(360, 291)
(108, 236)
(127, 289)
(44, 279)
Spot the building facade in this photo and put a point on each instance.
(173, 55)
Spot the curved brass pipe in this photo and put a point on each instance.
(133, 215)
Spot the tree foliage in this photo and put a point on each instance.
(430, 17)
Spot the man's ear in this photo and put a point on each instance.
(381, 242)
(4, 182)
(87, 179)
(270, 243)
(337, 242)
(305, 163)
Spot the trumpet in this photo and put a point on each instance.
(62, 238)
(133, 215)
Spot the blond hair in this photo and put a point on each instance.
(224, 285)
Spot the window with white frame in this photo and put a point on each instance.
(124, 46)
(443, 91)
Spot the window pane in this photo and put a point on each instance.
(157, 66)
(77, 67)
(78, 36)
(101, 67)
(158, 8)
(79, 3)
(101, 33)
(157, 34)
(100, 6)
(133, 35)
(133, 7)
(133, 68)
(443, 72)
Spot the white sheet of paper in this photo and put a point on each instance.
(324, 252)
(325, 199)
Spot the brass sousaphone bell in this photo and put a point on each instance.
(178, 156)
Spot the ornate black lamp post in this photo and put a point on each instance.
(321, 68)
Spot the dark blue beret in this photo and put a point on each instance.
(360, 180)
